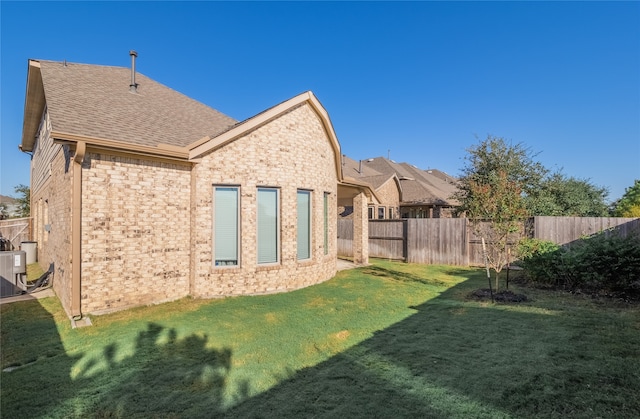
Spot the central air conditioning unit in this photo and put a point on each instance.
(13, 273)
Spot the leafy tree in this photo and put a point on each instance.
(559, 195)
(629, 204)
(4, 212)
(495, 154)
(495, 181)
(24, 200)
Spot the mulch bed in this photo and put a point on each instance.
(504, 296)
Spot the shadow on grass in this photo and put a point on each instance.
(456, 358)
(30, 340)
(398, 275)
(166, 375)
(452, 358)
(180, 377)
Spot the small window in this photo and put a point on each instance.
(326, 222)
(268, 225)
(226, 225)
(391, 213)
(371, 213)
(304, 224)
(380, 213)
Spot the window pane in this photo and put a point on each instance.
(267, 225)
(326, 223)
(226, 226)
(381, 213)
(304, 224)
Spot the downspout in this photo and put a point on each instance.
(76, 230)
(193, 264)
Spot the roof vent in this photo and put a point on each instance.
(133, 87)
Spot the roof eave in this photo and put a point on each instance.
(165, 151)
(34, 103)
(361, 186)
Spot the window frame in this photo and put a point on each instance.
(309, 224)
(325, 216)
(277, 230)
(238, 220)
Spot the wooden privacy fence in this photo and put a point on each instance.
(442, 241)
(452, 241)
(17, 230)
(564, 230)
(345, 237)
(388, 239)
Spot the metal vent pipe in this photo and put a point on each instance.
(133, 87)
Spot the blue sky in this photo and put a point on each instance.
(419, 82)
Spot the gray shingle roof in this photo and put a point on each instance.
(418, 186)
(95, 101)
(354, 169)
(438, 190)
(361, 170)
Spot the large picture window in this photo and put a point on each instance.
(304, 224)
(268, 225)
(226, 225)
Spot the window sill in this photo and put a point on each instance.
(268, 267)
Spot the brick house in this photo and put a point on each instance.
(142, 195)
(386, 187)
(420, 193)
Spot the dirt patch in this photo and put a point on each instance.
(342, 335)
(504, 296)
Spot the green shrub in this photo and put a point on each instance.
(540, 259)
(605, 262)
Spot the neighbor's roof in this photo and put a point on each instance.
(418, 186)
(359, 170)
(92, 101)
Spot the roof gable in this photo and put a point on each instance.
(95, 102)
(211, 143)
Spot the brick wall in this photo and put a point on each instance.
(135, 231)
(289, 153)
(147, 223)
(389, 198)
(360, 230)
(51, 188)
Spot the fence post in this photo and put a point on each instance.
(405, 240)
(467, 241)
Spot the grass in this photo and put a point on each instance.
(389, 340)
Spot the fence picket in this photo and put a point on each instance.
(452, 241)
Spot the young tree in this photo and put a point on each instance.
(495, 180)
(629, 204)
(24, 200)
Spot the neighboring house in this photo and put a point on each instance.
(142, 195)
(423, 193)
(9, 207)
(386, 187)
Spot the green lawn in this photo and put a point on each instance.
(389, 340)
